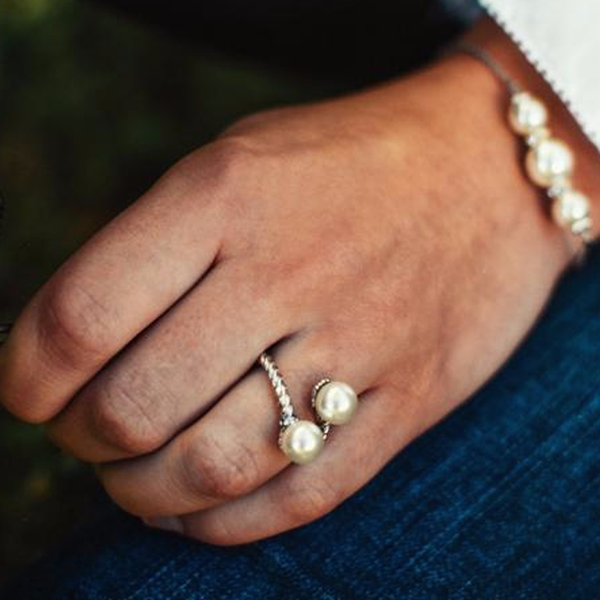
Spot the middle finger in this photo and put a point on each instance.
(176, 370)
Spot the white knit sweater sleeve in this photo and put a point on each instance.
(561, 38)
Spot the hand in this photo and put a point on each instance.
(387, 239)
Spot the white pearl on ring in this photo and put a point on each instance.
(549, 161)
(526, 113)
(336, 402)
(302, 441)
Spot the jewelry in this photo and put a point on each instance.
(335, 403)
(549, 162)
(300, 440)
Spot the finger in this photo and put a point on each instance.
(354, 454)
(176, 370)
(122, 279)
(233, 449)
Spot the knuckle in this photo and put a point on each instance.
(217, 470)
(227, 171)
(232, 159)
(308, 501)
(217, 166)
(120, 416)
(75, 323)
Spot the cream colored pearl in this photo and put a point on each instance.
(569, 207)
(549, 161)
(336, 402)
(526, 113)
(302, 441)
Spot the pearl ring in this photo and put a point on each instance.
(334, 402)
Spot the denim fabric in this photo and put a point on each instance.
(501, 500)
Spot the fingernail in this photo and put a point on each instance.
(173, 524)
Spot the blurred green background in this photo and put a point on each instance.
(93, 108)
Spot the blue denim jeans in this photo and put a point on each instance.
(501, 500)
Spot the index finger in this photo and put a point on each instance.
(119, 282)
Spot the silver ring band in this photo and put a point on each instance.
(281, 391)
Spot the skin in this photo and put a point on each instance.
(388, 239)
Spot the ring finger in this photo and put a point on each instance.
(233, 449)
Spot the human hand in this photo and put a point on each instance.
(387, 239)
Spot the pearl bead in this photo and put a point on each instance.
(526, 113)
(336, 402)
(569, 207)
(302, 441)
(548, 162)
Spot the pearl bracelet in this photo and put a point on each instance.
(549, 162)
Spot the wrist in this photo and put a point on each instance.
(468, 101)
(464, 109)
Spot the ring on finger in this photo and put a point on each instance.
(301, 440)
